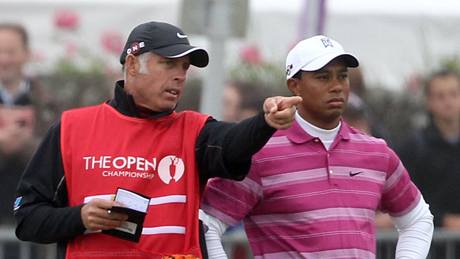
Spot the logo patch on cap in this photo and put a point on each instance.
(289, 69)
(181, 36)
(135, 48)
(17, 203)
(327, 42)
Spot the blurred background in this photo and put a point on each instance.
(71, 60)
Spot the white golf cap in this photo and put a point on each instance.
(314, 53)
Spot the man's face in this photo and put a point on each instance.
(13, 55)
(324, 93)
(160, 86)
(443, 98)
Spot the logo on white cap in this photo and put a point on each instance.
(327, 42)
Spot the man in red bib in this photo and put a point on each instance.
(136, 141)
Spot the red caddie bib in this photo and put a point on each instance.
(103, 150)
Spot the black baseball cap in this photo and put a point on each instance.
(165, 40)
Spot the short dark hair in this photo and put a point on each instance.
(298, 75)
(19, 29)
(438, 74)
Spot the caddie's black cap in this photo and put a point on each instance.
(165, 40)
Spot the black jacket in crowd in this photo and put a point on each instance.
(434, 166)
(222, 150)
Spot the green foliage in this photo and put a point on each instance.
(75, 85)
(266, 74)
(451, 63)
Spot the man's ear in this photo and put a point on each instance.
(293, 86)
(132, 65)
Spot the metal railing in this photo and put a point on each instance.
(445, 245)
(12, 248)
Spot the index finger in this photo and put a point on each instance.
(288, 102)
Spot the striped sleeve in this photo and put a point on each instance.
(400, 194)
(240, 196)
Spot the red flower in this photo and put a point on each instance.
(112, 42)
(66, 19)
(71, 49)
(250, 55)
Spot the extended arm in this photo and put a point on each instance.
(225, 149)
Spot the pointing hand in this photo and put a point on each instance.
(280, 110)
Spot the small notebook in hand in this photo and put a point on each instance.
(135, 206)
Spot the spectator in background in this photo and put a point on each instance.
(242, 100)
(361, 92)
(357, 115)
(21, 120)
(357, 84)
(432, 154)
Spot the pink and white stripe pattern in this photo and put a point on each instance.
(303, 201)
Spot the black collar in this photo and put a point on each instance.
(124, 103)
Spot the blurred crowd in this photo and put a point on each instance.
(26, 111)
(426, 134)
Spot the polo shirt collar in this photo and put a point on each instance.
(297, 135)
(344, 131)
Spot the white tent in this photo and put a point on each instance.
(393, 39)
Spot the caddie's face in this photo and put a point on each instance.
(159, 83)
(324, 93)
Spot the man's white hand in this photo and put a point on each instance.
(279, 111)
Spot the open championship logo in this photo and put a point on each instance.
(169, 168)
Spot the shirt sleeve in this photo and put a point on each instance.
(400, 194)
(240, 196)
(225, 149)
(41, 208)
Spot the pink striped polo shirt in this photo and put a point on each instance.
(303, 201)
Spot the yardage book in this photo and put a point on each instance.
(135, 206)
